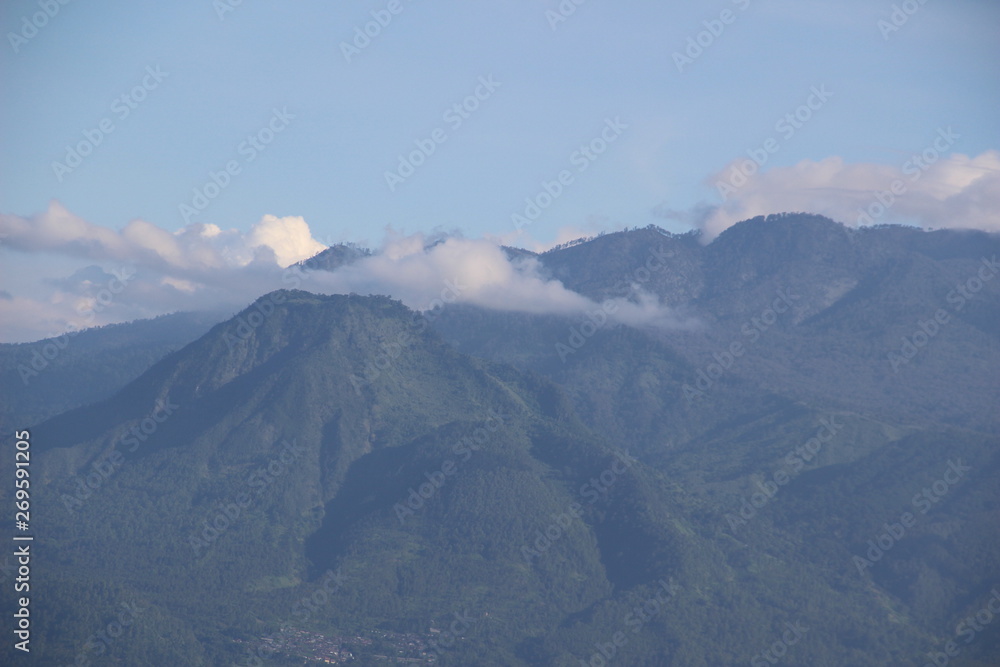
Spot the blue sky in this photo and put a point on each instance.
(559, 83)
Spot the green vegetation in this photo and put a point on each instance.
(338, 477)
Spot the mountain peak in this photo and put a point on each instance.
(798, 224)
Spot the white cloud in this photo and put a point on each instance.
(476, 272)
(71, 261)
(289, 237)
(955, 191)
(143, 271)
(195, 247)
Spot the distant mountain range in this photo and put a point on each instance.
(798, 466)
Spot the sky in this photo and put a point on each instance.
(202, 146)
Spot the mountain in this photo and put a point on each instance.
(892, 322)
(41, 379)
(854, 337)
(334, 257)
(296, 421)
(340, 478)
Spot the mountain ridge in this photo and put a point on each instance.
(453, 462)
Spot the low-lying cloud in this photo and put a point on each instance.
(478, 272)
(953, 191)
(93, 275)
(196, 247)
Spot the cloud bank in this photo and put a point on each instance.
(93, 275)
(477, 272)
(196, 247)
(956, 191)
